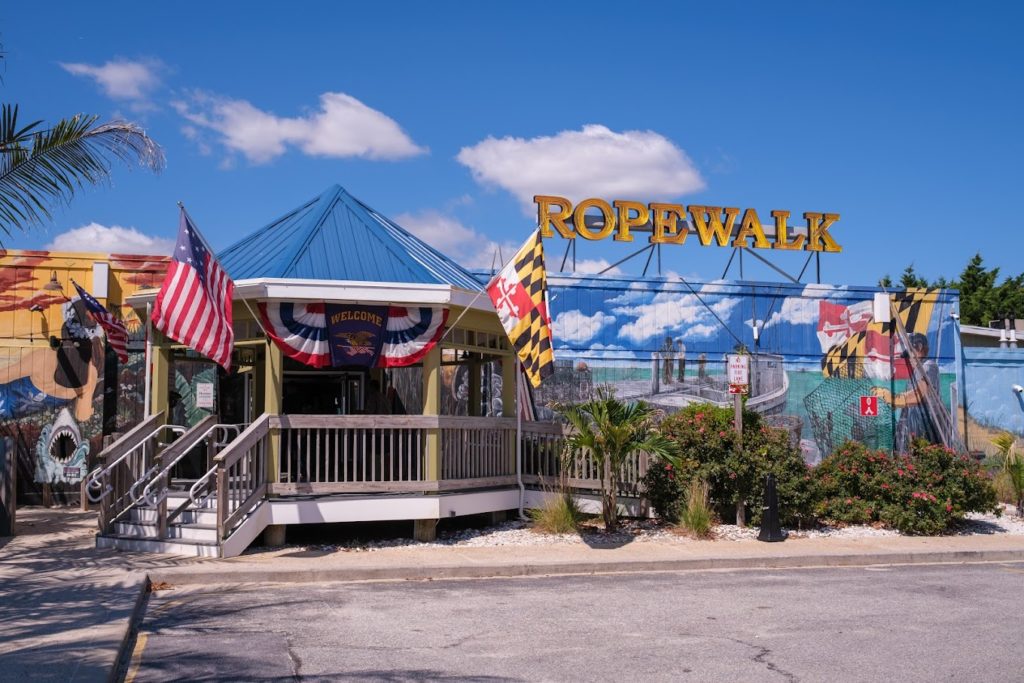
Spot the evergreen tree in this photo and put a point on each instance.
(912, 279)
(978, 297)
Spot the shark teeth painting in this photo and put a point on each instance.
(61, 452)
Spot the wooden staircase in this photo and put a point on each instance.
(143, 508)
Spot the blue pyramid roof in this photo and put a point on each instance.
(336, 237)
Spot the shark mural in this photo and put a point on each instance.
(60, 392)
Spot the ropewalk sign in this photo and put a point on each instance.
(673, 223)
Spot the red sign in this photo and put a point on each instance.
(737, 388)
(869, 406)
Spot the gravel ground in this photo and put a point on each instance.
(520, 533)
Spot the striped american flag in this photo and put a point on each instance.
(117, 333)
(194, 303)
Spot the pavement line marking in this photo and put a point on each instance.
(1011, 569)
(136, 661)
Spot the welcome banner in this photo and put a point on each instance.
(356, 333)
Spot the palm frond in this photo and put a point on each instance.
(43, 168)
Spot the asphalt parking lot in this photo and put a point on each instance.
(934, 622)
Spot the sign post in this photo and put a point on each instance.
(738, 374)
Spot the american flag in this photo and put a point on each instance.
(117, 334)
(194, 303)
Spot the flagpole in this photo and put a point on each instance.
(149, 359)
(210, 249)
(478, 295)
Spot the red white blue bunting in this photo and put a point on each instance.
(300, 330)
(411, 333)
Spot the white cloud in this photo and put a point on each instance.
(604, 355)
(592, 162)
(675, 314)
(804, 309)
(342, 127)
(594, 267)
(575, 327)
(463, 244)
(110, 240)
(701, 331)
(120, 79)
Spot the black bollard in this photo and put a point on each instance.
(771, 531)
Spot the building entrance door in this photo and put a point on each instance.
(236, 398)
(323, 392)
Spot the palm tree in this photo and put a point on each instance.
(41, 167)
(610, 431)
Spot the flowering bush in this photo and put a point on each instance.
(922, 492)
(705, 436)
(664, 485)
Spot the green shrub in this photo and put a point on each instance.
(559, 514)
(663, 487)
(697, 516)
(706, 437)
(1010, 479)
(922, 492)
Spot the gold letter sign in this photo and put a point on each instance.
(667, 224)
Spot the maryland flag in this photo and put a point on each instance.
(865, 352)
(520, 295)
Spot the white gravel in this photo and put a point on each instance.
(519, 533)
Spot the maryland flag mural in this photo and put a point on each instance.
(861, 347)
(520, 295)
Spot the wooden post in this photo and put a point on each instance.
(273, 398)
(432, 406)
(160, 393)
(741, 516)
(508, 386)
(222, 502)
(474, 387)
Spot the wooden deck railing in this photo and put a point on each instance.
(478, 448)
(241, 475)
(323, 454)
(545, 463)
(119, 466)
(351, 453)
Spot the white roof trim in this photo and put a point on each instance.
(347, 291)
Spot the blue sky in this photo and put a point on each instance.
(903, 118)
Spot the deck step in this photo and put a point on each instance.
(188, 548)
(149, 515)
(193, 532)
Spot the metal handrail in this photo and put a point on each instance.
(147, 493)
(94, 484)
(194, 489)
(237, 429)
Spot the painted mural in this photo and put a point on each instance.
(816, 353)
(61, 389)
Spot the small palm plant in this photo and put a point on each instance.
(610, 431)
(1013, 466)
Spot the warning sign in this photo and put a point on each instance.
(738, 368)
(738, 389)
(869, 406)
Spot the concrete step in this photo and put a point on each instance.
(136, 530)
(193, 532)
(147, 515)
(176, 498)
(188, 548)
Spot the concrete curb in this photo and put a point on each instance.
(422, 573)
(119, 667)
